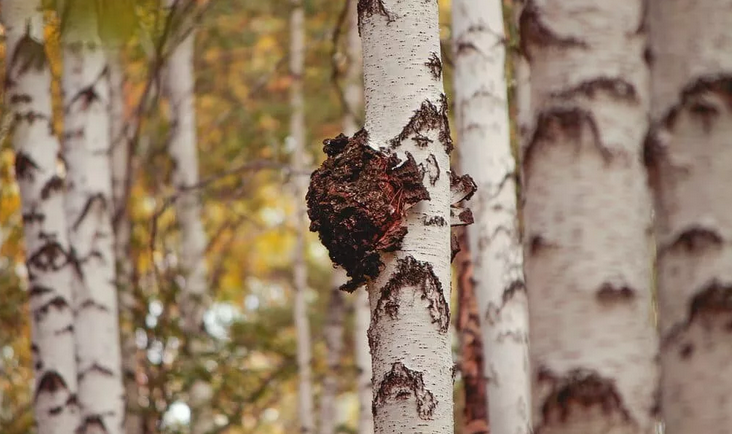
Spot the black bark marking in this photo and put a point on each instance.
(400, 383)
(57, 303)
(609, 293)
(431, 168)
(24, 166)
(88, 206)
(538, 244)
(20, 99)
(420, 275)
(713, 301)
(28, 54)
(91, 304)
(513, 288)
(686, 351)
(461, 187)
(367, 8)
(39, 291)
(434, 64)
(87, 96)
(577, 392)
(559, 125)
(92, 424)
(357, 202)
(427, 118)
(434, 221)
(50, 257)
(613, 86)
(694, 239)
(53, 185)
(534, 32)
(691, 100)
(96, 368)
(50, 382)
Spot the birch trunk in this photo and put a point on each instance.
(481, 103)
(362, 311)
(406, 110)
(48, 253)
(689, 158)
(333, 335)
(587, 219)
(297, 134)
(88, 212)
(122, 233)
(179, 88)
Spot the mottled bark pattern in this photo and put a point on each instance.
(689, 156)
(587, 218)
(89, 217)
(48, 253)
(405, 114)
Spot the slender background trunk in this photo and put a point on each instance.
(406, 110)
(297, 134)
(333, 334)
(48, 253)
(689, 157)
(179, 84)
(362, 312)
(587, 218)
(89, 217)
(481, 103)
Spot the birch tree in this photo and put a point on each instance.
(88, 212)
(381, 204)
(306, 406)
(485, 151)
(48, 252)
(689, 159)
(587, 218)
(333, 335)
(179, 89)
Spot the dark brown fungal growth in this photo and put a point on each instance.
(434, 64)
(411, 273)
(428, 117)
(357, 202)
(400, 383)
(576, 392)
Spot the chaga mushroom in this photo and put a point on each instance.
(357, 202)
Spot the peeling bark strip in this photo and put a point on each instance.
(89, 219)
(28, 87)
(402, 383)
(688, 157)
(582, 171)
(411, 273)
(357, 202)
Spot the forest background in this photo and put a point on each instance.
(242, 86)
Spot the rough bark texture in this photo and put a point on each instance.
(475, 411)
(89, 218)
(362, 312)
(122, 233)
(587, 218)
(333, 335)
(689, 156)
(306, 406)
(410, 314)
(179, 83)
(48, 253)
(485, 151)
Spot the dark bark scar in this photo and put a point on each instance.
(400, 383)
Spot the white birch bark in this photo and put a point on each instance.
(89, 218)
(483, 127)
(333, 335)
(306, 406)
(689, 156)
(178, 87)
(587, 218)
(48, 253)
(406, 111)
(362, 311)
(122, 233)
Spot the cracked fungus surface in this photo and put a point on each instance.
(357, 202)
